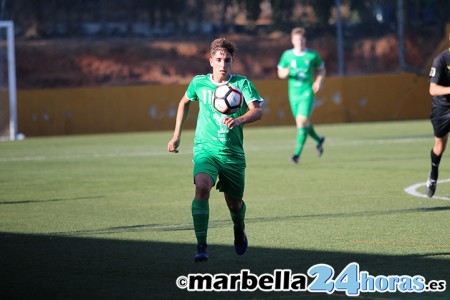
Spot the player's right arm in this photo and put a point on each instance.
(283, 66)
(438, 70)
(439, 90)
(283, 72)
(182, 112)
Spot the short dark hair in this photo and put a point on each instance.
(223, 44)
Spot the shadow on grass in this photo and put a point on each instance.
(48, 200)
(61, 267)
(224, 223)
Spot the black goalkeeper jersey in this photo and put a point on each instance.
(440, 74)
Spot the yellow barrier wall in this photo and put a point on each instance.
(143, 108)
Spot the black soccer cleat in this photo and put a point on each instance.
(202, 255)
(240, 241)
(319, 146)
(431, 187)
(294, 159)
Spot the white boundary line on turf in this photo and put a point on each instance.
(412, 190)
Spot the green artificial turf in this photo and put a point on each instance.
(108, 216)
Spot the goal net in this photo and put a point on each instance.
(8, 101)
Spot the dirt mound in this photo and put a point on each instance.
(93, 62)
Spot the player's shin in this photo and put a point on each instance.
(200, 217)
(435, 161)
(239, 217)
(302, 133)
(313, 133)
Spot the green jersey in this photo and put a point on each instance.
(301, 69)
(211, 133)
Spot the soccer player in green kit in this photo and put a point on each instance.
(305, 72)
(218, 144)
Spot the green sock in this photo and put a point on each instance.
(238, 218)
(200, 216)
(313, 133)
(302, 133)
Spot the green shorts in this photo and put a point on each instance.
(230, 170)
(302, 103)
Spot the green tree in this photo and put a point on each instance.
(252, 9)
(282, 13)
(322, 9)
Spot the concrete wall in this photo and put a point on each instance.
(142, 108)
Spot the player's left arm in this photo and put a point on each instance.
(253, 114)
(320, 75)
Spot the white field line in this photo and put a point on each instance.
(412, 190)
(188, 150)
(86, 155)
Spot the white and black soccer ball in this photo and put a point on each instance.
(227, 99)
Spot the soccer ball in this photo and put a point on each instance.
(227, 99)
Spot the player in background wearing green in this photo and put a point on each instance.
(440, 113)
(218, 144)
(305, 72)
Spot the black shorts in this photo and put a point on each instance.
(440, 119)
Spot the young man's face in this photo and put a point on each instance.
(298, 41)
(221, 62)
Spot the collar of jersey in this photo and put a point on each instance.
(229, 79)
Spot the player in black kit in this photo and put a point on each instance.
(440, 113)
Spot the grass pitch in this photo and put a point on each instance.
(108, 216)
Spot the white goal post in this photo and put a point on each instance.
(8, 92)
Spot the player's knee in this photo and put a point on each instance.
(234, 204)
(235, 207)
(302, 121)
(439, 148)
(202, 189)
